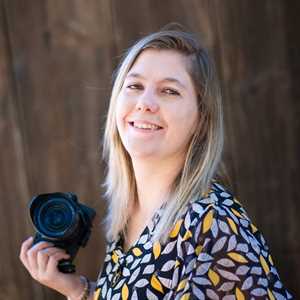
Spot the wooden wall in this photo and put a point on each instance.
(56, 60)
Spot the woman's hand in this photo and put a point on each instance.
(41, 261)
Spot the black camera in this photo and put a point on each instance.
(60, 219)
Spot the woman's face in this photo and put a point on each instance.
(157, 106)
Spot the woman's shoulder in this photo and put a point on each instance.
(218, 212)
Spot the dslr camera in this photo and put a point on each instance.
(60, 219)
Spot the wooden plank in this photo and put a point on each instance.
(260, 119)
(14, 280)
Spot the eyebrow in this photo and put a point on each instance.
(166, 79)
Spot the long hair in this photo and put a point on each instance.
(203, 158)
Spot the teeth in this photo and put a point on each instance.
(146, 126)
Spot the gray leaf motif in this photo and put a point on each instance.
(148, 245)
(258, 292)
(204, 257)
(228, 275)
(219, 244)
(150, 295)
(247, 283)
(168, 265)
(143, 239)
(203, 269)
(242, 270)
(134, 296)
(104, 290)
(190, 249)
(134, 275)
(224, 227)
(129, 259)
(108, 296)
(146, 258)
(256, 270)
(214, 228)
(116, 297)
(165, 282)
(101, 281)
(135, 264)
(120, 284)
(211, 294)
(229, 297)
(170, 246)
(243, 247)
(201, 281)
(197, 208)
(108, 268)
(263, 282)
(225, 195)
(126, 272)
(252, 257)
(225, 262)
(226, 286)
(187, 221)
(198, 293)
(141, 283)
(190, 265)
(227, 202)
(149, 269)
(231, 243)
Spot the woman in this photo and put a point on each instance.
(173, 230)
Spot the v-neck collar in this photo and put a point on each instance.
(144, 238)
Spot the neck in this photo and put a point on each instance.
(154, 179)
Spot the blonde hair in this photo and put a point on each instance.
(203, 157)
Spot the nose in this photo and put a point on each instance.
(147, 102)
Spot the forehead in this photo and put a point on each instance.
(160, 64)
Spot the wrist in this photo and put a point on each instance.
(82, 290)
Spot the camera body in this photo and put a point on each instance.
(60, 219)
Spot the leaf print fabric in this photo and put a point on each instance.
(213, 252)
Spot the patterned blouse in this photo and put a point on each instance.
(213, 252)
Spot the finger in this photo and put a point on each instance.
(24, 248)
(33, 251)
(54, 259)
(44, 254)
(42, 260)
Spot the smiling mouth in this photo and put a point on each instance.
(145, 126)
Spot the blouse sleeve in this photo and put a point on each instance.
(226, 257)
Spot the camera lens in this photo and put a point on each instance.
(56, 218)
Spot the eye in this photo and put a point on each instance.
(171, 92)
(134, 86)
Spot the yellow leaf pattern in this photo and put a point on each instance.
(209, 254)
(237, 257)
(187, 235)
(270, 294)
(182, 284)
(156, 284)
(264, 264)
(96, 294)
(176, 229)
(137, 251)
(214, 277)
(207, 222)
(125, 292)
(198, 249)
(115, 257)
(156, 249)
(239, 295)
(185, 296)
(232, 225)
